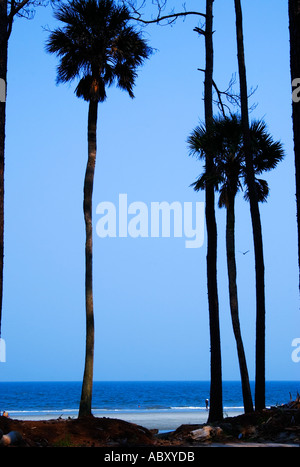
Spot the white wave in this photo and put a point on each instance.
(187, 408)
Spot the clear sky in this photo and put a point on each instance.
(150, 296)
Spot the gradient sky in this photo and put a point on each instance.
(150, 296)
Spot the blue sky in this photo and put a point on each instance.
(150, 295)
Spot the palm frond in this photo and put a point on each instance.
(202, 142)
(267, 153)
(91, 89)
(262, 190)
(200, 183)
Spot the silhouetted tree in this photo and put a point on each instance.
(98, 47)
(216, 392)
(260, 377)
(9, 10)
(294, 26)
(3, 77)
(223, 141)
(216, 398)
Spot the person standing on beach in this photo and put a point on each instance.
(206, 404)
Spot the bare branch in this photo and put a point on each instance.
(24, 9)
(15, 7)
(172, 17)
(231, 97)
(200, 31)
(161, 5)
(220, 103)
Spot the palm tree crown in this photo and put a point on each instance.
(224, 140)
(98, 46)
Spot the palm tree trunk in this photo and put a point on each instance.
(233, 298)
(256, 222)
(294, 20)
(3, 76)
(85, 408)
(216, 403)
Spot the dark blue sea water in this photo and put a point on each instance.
(52, 399)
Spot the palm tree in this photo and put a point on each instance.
(98, 47)
(3, 76)
(294, 28)
(224, 139)
(9, 10)
(216, 393)
(260, 361)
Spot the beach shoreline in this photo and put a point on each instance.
(161, 420)
(276, 425)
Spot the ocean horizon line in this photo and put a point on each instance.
(149, 381)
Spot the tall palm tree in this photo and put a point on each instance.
(216, 392)
(3, 77)
(224, 139)
(260, 360)
(98, 47)
(9, 10)
(294, 28)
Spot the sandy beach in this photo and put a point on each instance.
(161, 420)
(278, 426)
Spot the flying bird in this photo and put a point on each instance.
(244, 252)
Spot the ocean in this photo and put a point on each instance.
(164, 405)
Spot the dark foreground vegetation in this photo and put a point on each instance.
(274, 425)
